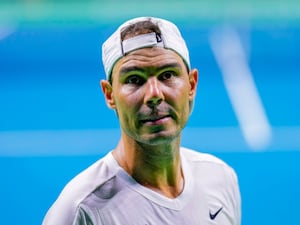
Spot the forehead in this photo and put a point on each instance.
(149, 57)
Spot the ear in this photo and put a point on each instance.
(193, 80)
(108, 93)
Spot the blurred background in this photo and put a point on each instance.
(54, 121)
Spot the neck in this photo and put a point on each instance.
(156, 167)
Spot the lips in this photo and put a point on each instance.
(155, 120)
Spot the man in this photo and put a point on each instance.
(149, 178)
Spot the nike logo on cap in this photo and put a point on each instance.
(214, 215)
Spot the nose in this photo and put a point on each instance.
(153, 93)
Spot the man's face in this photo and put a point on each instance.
(151, 93)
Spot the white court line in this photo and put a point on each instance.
(6, 30)
(86, 142)
(228, 51)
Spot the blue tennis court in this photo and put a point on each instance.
(54, 121)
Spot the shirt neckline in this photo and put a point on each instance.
(173, 203)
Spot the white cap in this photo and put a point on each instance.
(114, 48)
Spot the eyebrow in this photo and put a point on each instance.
(128, 69)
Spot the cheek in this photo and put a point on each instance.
(181, 100)
(128, 101)
(131, 99)
(180, 93)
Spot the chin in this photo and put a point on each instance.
(160, 138)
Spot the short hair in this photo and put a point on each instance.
(142, 27)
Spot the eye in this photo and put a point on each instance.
(137, 80)
(167, 75)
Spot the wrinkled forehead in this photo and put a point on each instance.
(149, 60)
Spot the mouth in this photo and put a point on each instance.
(156, 120)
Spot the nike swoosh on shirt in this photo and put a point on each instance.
(214, 215)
